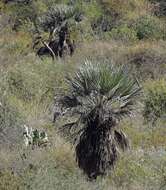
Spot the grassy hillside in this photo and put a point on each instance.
(122, 32)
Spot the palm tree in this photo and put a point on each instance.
(99, 96)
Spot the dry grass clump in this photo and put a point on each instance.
(146, 60)
(143, 136)
(155, 100)
(8, 181)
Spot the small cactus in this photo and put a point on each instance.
(34, 137)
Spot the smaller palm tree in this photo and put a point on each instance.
(99, 96)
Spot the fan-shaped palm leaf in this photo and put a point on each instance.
(57, 16)
(100, 94)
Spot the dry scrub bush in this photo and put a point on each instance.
(146, 60)
(8, 181)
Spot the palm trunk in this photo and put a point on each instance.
(96, 151)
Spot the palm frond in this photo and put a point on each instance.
(121, 140)
(85, 80)
(57, 16)
(96, 83)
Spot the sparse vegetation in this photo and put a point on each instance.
(155, 100)
(128, 34)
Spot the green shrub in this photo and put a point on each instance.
(123, 33)
(149, 27)
(91, 9)
(22, 13)
(102, 24)
(155, 100)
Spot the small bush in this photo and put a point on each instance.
(149, 27)
(22, 12)
(155, 100)
(123, 33)
(102, 24)
(91, 9)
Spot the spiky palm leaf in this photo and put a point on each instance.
(101, 94)
(57, 16)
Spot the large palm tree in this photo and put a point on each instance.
(99, 96)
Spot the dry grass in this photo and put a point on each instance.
(142, 168)
(128, 9)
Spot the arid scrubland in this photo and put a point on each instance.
(128, 33)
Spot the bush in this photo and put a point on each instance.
(155, 100)
(123, 33)
(149, 27)
(102, 24)
(22, 13)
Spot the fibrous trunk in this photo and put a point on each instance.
(96, 151)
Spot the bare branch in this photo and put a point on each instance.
(49, 48)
